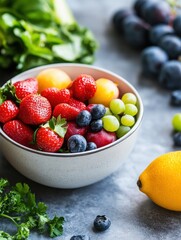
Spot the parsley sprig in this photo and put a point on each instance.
(18, 204)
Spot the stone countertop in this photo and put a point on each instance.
(132, 214)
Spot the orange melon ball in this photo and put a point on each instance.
(106, 91)
(53, 77)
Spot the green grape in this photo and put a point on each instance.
(122, 130)
(108, 111)
(110, 123)
(129, 98)
(130, 109)
(127, 120)
(176, 122)
(117, 106)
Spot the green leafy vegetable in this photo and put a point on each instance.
(18, 205)
(40, 33)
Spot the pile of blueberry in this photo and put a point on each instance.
(154, 27)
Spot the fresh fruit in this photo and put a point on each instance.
(177, 25)
(130, 109)
(80, 237)
(101, 138)
(177, 139)
(157, 32)
(127, 120)
(175, 99)
(8, 111)
(83, 87)
(96, 125)
(76, 143)
(66, 111)
(25, 87)
(118, 18)
(97, 111)
(56, 96)
(77, 104)
(73, 128)
(156, 12)
(89, 125)
(160, 181)
(117, 106)
(106, 91)
(152, 60)
(110, 123)
(53, 77)
(134, 26)
(50, 136)
(84, 118)
(170, 75)
(129, 98)
(91, 146)
(122, 130)
(19, 132)
(171, 45)
(34, 109)
(102, 223)
(176, 122)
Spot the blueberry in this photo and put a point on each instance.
(171, 45)
(152, 59)
(98, 111)
(156, 12)
(176, 98)
(80, 237)
(138, 5)
(118, 18)
(177, 139)
(77, 143)
(84, 118)
(134, 26)
(101, 223)
(170, 75)
(159, 31)
(96, 125)
(177, 25)
(91, 146)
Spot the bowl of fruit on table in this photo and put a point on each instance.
(68, 125)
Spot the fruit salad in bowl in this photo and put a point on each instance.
(68, 125)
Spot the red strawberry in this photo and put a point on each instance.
(73, 128)
(8, 111)
(75, 103)
(101, 138)
(56, 96)
(34, 109)
(25, 87)
(83, 87)
(50, 137)
(19, 132)
(66, 111)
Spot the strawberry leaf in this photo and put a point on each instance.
(8, 91)
(61, 126)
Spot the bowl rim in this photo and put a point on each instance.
(93, 67)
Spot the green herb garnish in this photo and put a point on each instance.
(18, 204)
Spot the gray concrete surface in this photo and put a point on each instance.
(133, 215)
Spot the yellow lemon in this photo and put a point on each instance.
(53, 77)
(161, 181)
(106, 90)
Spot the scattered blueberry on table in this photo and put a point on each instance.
(102, 223)
(80, 237)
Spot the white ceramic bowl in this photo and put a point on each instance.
(72, 170)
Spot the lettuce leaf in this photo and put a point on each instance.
(40, 33)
